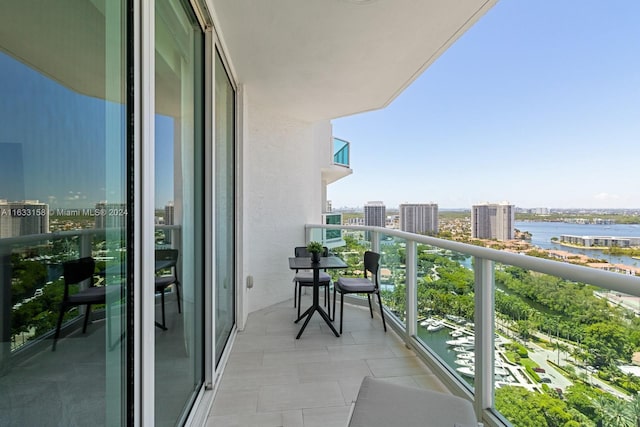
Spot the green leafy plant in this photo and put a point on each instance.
(315, 247)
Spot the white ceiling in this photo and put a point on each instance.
(322, 59)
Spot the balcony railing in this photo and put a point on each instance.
(340, 152)
(568, 340)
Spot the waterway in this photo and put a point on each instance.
(542, 232)
(437, 341)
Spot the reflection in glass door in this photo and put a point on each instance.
(63, 180)
(178, 195)
(224, 206)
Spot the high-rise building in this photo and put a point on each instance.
(419, 218)
(493, 221)
(375, 214)
(110, 215)
(169, 214)
(23, 218)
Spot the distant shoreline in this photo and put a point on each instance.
(571, 245)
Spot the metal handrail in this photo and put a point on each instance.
(605, 279)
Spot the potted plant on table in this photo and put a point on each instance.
(315, 249)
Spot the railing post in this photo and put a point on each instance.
(84, 248)
(412, 291)
(485, 342)
(375, 241)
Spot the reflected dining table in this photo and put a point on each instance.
(304, 263)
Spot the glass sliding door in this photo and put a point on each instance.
(224, 206)
(63, 181)
(179, 203)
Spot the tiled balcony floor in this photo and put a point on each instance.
(68, 387)
(272, 379)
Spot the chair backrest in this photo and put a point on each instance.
(302, 252)
(77, 271)
(170, 260)
(372, 264)
(167, 255)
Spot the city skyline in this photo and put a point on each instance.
(528, 107)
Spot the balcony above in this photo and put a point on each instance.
(340, 166)
(328, 59)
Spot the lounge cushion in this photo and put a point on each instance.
(384, 404)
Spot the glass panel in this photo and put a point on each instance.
(445, 286)
(340, 152)
(225, 206)
(178, 195)
(572, 343)
(393, 275)
(63, 156)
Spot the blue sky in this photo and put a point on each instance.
(538, 104)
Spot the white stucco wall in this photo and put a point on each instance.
(282, 190)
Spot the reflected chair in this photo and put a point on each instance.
(167, 259)
(305, 278)
(75, 272)
(361, 285)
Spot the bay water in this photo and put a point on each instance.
(542, 232)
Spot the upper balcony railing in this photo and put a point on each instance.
(512, 332)
(340, 152)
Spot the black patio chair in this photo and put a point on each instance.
(75, 273)
(361, 285)
(167, 259)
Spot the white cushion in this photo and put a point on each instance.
(384, 404)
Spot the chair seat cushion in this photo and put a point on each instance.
(355, 285)
(91, 295)
(306, 278)
(164, 281)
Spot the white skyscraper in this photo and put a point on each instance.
(110, 215)
(419, 218)
(493, 221)
(23, 218)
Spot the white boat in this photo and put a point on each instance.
(435, 326)
(470, 371)
(467, 355)
(426, 322)
(456, 319)
(456, 333)
(466, 341)
(467, 371)
(465, 362)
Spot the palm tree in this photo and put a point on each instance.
(634, 409)
(613, 412)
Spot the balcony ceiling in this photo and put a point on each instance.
(322, 59)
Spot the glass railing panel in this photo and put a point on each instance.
(445, 304)
(393, 275)
(571, 346)
(340, 152)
